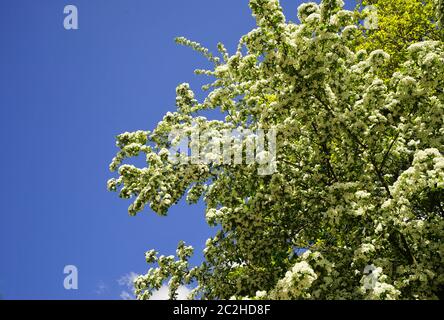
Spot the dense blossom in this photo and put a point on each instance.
(360, 167)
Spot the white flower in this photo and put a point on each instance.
(261, 294)
(378, 57)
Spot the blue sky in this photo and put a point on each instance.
(64, 96)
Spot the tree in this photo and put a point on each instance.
(353, 205)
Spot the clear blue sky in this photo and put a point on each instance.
(64, 96)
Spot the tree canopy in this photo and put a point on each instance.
(353, 208)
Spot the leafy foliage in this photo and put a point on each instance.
(401, 23)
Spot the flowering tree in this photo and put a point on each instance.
(354, 207)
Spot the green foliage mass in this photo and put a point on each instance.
(401, 23)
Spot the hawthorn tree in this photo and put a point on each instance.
(354, 207)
